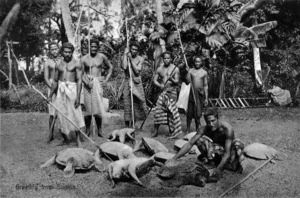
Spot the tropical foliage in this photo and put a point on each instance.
(223, 32)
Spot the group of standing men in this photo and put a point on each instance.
(80, 83)
(66, 77)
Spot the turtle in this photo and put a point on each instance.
(259, 151)
(176, 173)
(122, 134)
(76, 158)
(151, 145)
(118, 170)
(116, 150)
(189, 136)
(180, 143)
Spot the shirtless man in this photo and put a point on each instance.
(216, 142)
(93, 79)
(49, 71)
(132, 60)
(68, 83)
(198, 97)
(166, 112)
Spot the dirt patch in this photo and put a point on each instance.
(24, 149)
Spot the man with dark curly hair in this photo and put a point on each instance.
(68, 83)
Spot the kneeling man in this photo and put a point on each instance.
(216, 142)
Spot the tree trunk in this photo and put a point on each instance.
(158, 12)
(16, 72)
(162, 42)
(257, 67)
(67, 20)
(10, 66)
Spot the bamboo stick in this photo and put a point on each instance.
(249, 175)
(64, 116)
(130, 75)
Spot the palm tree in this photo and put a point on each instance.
(107, 28)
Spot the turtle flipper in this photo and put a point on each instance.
(138, 146)
(50, 162)
(131, 170)
(130, 136)
(98, 163)
(69, 170)
(110, 170)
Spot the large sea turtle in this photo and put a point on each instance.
(176, 173)
(151, 145)
(75, 158)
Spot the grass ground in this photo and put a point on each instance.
(24, 149)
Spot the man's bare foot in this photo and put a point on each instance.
(79, 145)
(60, 142)
(49, 140)
(100, 134)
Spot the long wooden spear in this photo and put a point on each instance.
(59, 111)
(186, 63)
(130, 74)
(240, 182)
(89, 51)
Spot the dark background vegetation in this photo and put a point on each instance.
(281, 54)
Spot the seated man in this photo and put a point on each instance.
(216, 142)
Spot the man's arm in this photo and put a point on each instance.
(228, 143)
(175, 76)
(136, 68)
(155, 79)
(188, 77)
(205, 86)
(54, 84)
(110, 67)
(125, 61)
(79, 72)
(46, 74)
(187, 147)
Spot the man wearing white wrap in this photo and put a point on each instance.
(68, 83)
(93, 78)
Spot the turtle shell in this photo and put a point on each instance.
(163, 156)
(180, 143)
(153, 146)
(81, 158)
(183, 172)
(189, 136)
(112, 148)
(259, 151)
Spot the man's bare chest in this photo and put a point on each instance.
(197, 74)
(93, 62)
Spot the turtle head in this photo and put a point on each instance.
(69, 170)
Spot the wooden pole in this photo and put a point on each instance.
(10, 66)
(59, 111)
(130, 75)
(262, 165)
(25, 76)
(89, 52)
(186, 63)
